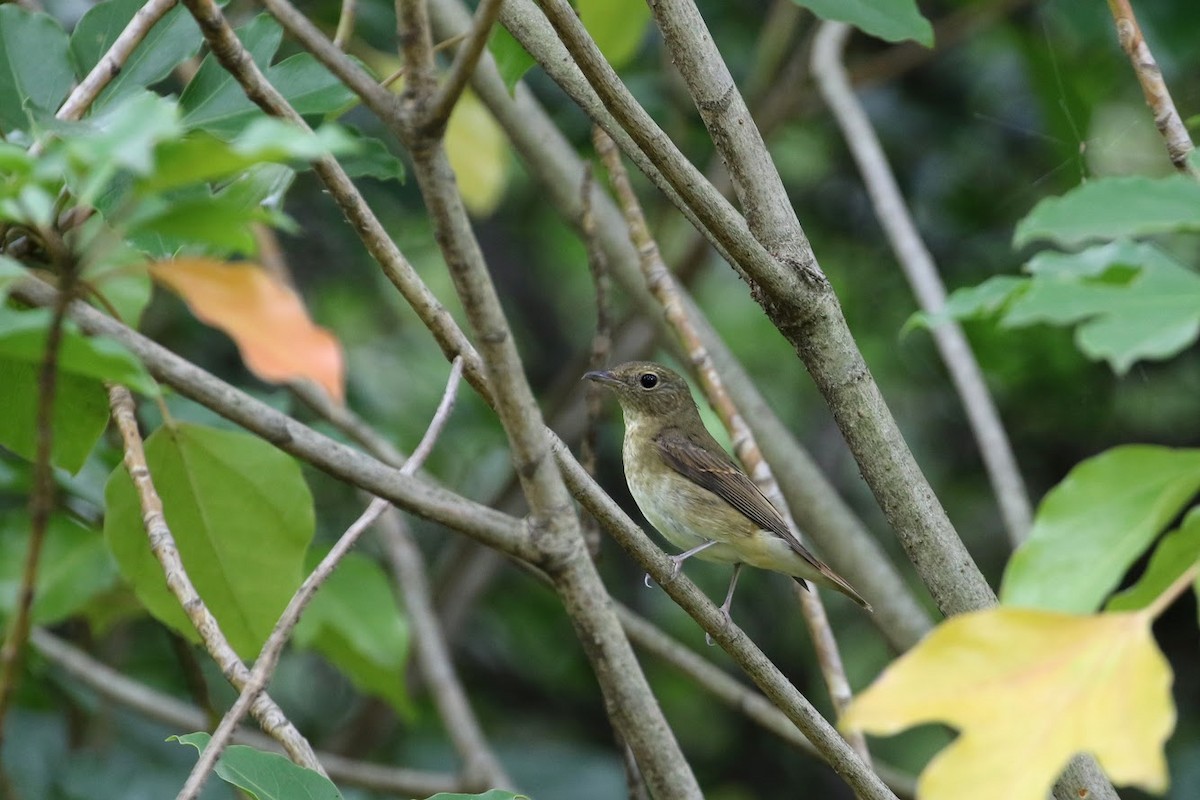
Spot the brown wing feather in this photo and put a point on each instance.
(698, 457)
(711, 468)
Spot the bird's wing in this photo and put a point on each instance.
(711, 468)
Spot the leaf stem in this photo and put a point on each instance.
(1172, 592)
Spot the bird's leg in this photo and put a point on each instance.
(737, 570)
(677, 561)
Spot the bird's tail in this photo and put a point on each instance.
(835, 581)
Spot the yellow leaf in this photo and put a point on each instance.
(264, 316)
(1029, 689)
(478, 153)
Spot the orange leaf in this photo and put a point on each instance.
(265, 317)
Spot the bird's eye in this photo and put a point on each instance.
(648, 380)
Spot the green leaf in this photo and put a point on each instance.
(1178, 552)
(242, 518)
(891, 20)
(512, 59)
(23, 338)
(75, 567)
(972, 302)
(1131, 301)
(1112, 208)
(173, 39)
(200, 156)
(80, 414)
(1091, 527)
(35, 65)
(372, 159)
(114, 271)
(617, 26)
(214, 100)
(355, 622)
(262, 775)
(216, 224)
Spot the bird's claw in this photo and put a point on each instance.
(728, 620)
(646, 580)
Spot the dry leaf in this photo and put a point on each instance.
(265, 317)
(1029, 689)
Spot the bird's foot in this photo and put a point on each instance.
(728, 621)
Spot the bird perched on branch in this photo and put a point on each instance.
(693, 492)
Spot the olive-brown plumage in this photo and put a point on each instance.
(692, 491)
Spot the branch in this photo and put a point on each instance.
(735, 695)
(109, 66)
(162, 545)
(41, 495)
(155, 705)
(1158, 97)
(268, 657)
(481, 768)
(554, 526)
(796, 296)
(832, 747)
(664, 287)
(923, 277)
(555, 164)
(345, 25)
(342, 462)
(465, 61)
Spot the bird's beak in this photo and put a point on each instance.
(602, 377)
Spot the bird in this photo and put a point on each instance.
(693, 492)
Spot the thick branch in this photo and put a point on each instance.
(923, 277)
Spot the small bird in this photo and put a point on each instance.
(693, 492)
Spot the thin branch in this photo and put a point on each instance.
(345, 25)
(163, 708)
(601, 344)
(833, 748)
(923, 277)
(1158, 97)
(481, 769)
(735, 695)
(663, 286)
(110, 64)
(162, 545)
(41, 495)
(440, 416)
(465, 61)
(268, 657)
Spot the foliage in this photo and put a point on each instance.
(169, 179)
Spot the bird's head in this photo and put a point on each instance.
(644, 388)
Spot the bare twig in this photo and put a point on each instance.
(109, 66)
(162, 545)
(663, 286)
(1158, 97)
(155, 705)
(345, 25)
(923, 277)
(268, 657)
(601, 345)
(465, 61)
